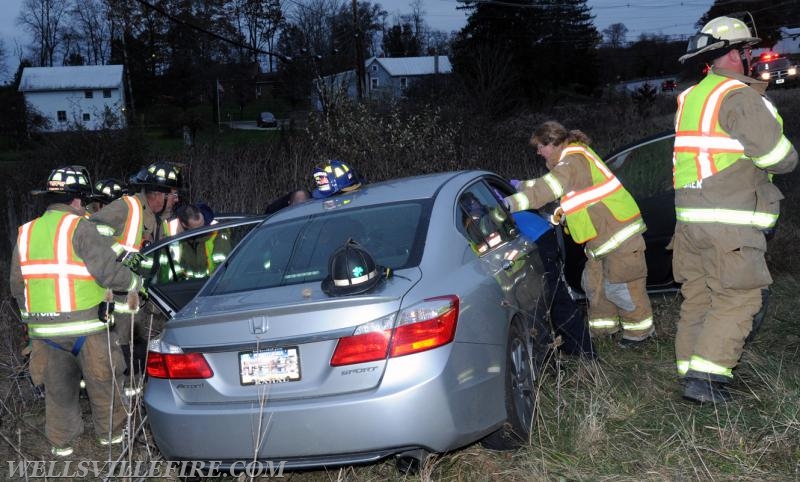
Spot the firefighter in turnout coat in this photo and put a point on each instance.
(728, 142)
(135, 220)
(601, 214)
(60, 269)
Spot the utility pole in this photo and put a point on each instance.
(358, 53)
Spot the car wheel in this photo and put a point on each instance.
(520, 376)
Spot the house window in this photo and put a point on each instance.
(88, 94)
(373, 82)
(403, 82)
(374, 68)
(87, 117)
(62, 116)
(106, 93)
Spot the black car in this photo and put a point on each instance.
(645, 169)
(266, 119)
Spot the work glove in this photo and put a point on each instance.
(515, 183)
(132, 260)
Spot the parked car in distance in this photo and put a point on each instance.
(776, 69)
(669, 85)
(266, 119)
(259, 363)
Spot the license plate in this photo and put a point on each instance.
(275, 365)
(779, 81)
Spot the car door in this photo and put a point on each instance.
(645, 169)
(182, 264)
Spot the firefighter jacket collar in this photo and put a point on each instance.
(759, 85)
(67, 208)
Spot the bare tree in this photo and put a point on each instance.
(3, 59)
(43, 19)
(90, 21)
(258, 23)
(615, 35)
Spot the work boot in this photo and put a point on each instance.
(705, 391)
(116, 439)
(630, 342)
(61, 451)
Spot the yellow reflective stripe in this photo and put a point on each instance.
(123, 308)
(603, 323)
(118, 248)
(65, 329)
(641, 325)
(518, 202)
(726, 216)
(105, 230)
(775, 155)
(592, 195)
(683, 367)
(219, 257)
(702, 365)
(617, 239)
(553, 184)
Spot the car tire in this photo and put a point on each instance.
(521, 374)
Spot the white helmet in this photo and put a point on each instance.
(719, 33)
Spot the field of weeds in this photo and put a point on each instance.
(619, 418)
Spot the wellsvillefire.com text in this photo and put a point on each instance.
(98, 469)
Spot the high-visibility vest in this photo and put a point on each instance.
(703, 148)
(605, 188)
(56, 279)
(211, 256)
(131, 236)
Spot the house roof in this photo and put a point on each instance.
(70, 78)
(397, 66)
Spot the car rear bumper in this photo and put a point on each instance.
(415, 406)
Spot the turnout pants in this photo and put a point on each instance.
(100, 364)
(616, 286)
(722, 270)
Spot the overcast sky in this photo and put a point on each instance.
(667, 17)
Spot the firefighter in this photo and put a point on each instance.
(134, 220)
(198, 257)
(60, 269)
(105, 191)
(601, 214)
(728, 142)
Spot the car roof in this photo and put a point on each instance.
(424, 186)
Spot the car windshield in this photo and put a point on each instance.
(297, 251)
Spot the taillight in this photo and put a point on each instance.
(425, 326)
(169, 361)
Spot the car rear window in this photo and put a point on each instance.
(297, 251)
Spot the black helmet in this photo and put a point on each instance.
(68, 180)
(351, 271)
(107, 190)
(159, 176)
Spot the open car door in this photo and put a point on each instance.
(182, 264)
(645, 169)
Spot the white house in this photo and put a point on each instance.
(384, 77)
(89, 96)
(393, 75)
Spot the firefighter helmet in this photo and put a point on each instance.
(720, 33)
(351, 271)
(158, 176)
(334, 176)
(107, 190)
(68, 180)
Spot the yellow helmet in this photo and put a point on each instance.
(719, 33)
